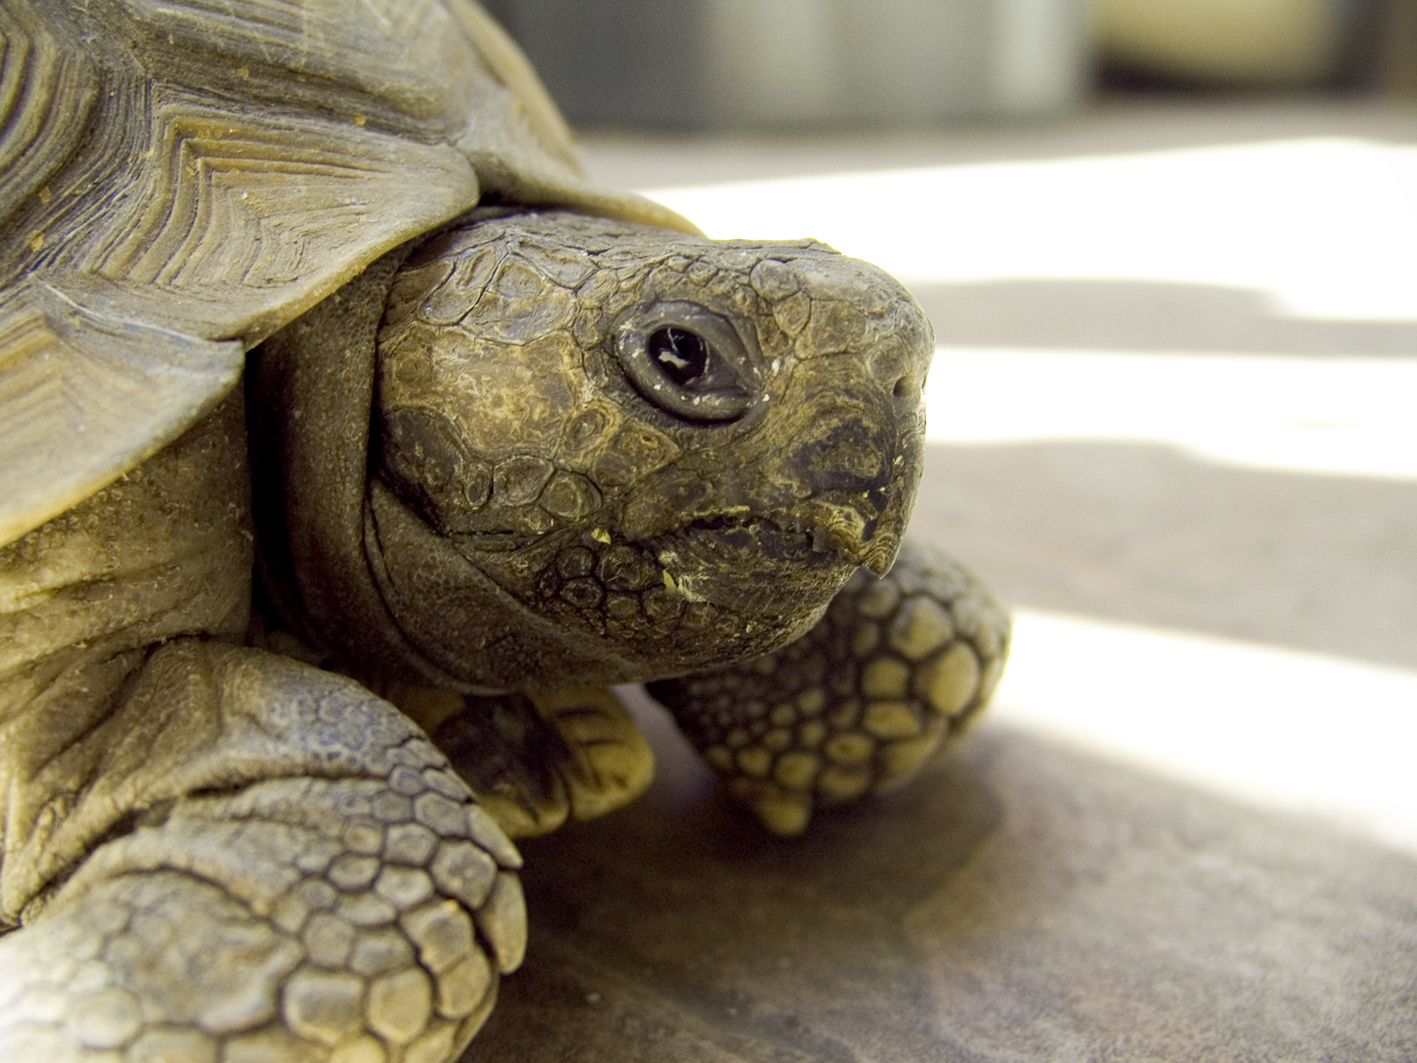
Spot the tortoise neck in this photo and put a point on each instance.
(310, 390)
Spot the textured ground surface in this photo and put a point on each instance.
(1027, 900)
(1020, 903)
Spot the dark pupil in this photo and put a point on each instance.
(682, 355)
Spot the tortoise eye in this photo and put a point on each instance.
(687, 361)
(686, 358)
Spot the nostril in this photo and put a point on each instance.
(907, 387)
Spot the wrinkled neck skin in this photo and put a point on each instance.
(538, 446)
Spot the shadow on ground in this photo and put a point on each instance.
(1020, 902)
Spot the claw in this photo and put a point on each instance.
(783, 812)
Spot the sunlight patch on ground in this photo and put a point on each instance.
(1331, 415)
(1327, 227)
(1276, 727)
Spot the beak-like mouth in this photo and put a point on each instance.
(781, 539)
(753, 566)
(871, 541)
(778, 564)
(879, 555)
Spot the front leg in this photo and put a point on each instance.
(210, 853)
(896, 667)
(300, 878)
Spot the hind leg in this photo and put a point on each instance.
(896, 667)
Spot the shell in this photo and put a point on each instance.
(180, 178)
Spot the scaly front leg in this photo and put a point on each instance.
(896, 667)
(214, 854)
(310, 883)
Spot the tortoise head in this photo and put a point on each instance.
(664, 451)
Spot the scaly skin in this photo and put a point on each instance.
(483, 479)
(217, 853)
(489, 463)
(896, 669)
(296, 919)
(539, 758)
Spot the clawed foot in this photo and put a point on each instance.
(896, 667)
(307, 882)
(299, 920)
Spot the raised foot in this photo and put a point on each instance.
(895, 669)
(296, 921)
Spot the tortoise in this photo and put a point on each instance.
(352, 445)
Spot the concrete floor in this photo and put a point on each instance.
(1036, 897)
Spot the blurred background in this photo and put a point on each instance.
(792, 64)
(1169, 248)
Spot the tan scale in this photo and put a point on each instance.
(754, 761)
(844, 714)
(885, 677)
(811, 702)
(899, 760)
(914, 688)
(776, 740)
(950, 681)
(835, 785)
(719, 757)
(796, 769)
(891, 719)
(850, 749)
(921, 627)
(865, 640)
